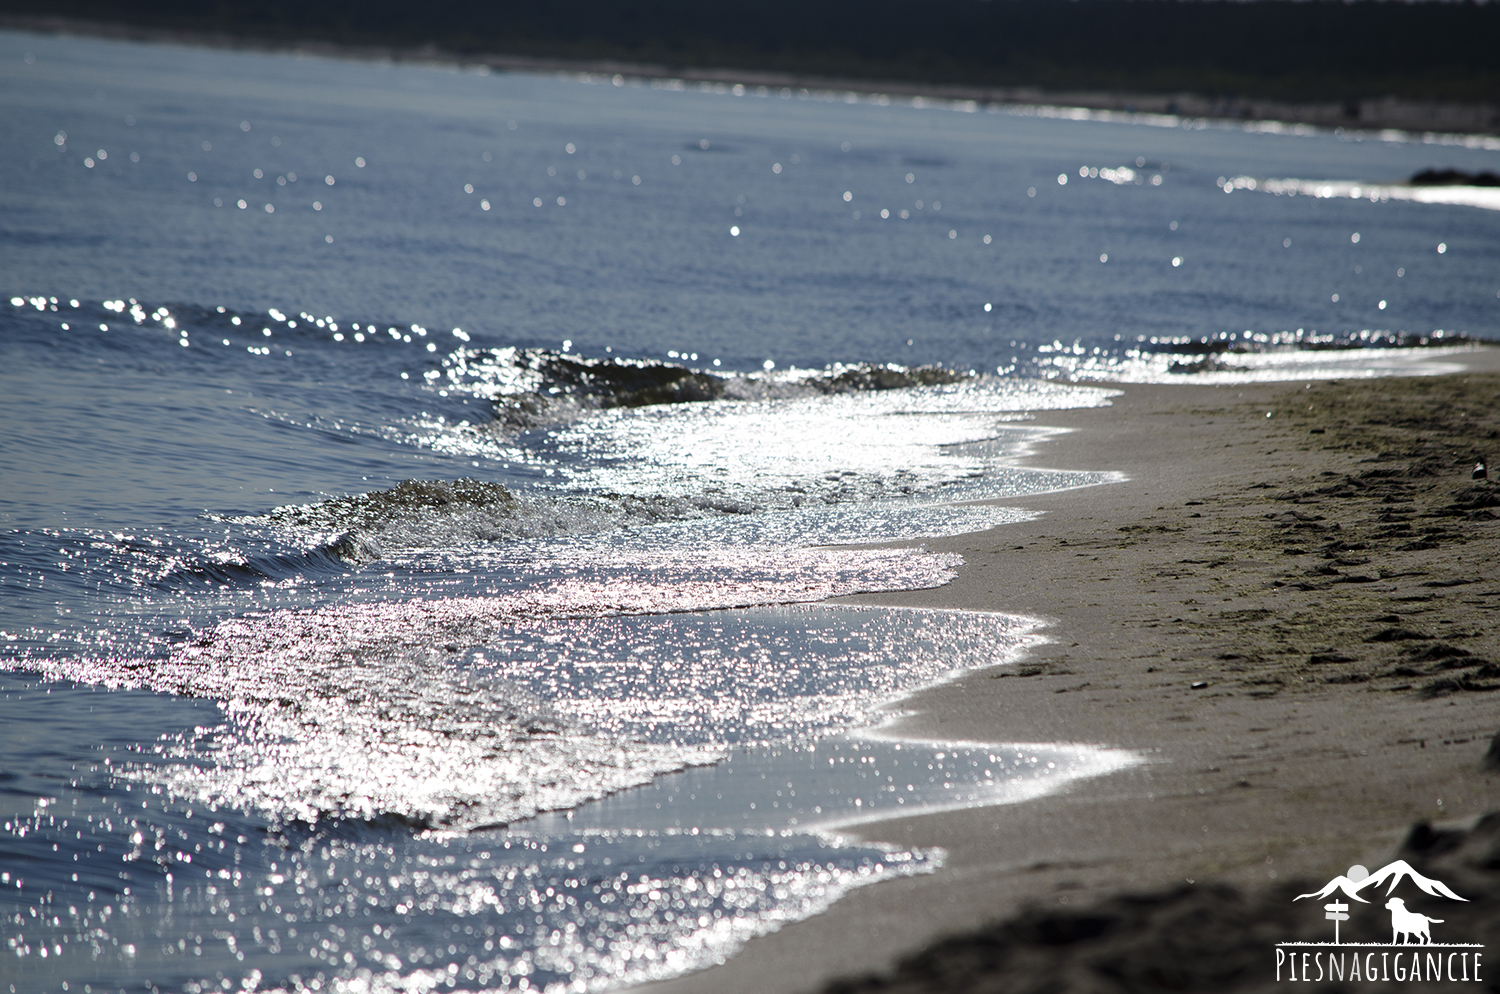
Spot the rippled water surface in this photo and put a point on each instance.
(417, 487)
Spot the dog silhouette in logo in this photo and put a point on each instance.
(1409, 926)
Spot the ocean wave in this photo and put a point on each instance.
(337, 555)
(534, 387)
(1231, 357)
(1431, 187)
(432, 514)
(472, 711)
(90, 560)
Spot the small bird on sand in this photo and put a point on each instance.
(1481, 471)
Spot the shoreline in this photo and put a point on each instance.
(1292, 728)
(1430, 121)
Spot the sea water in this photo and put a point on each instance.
(418, 486)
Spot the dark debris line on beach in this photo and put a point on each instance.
(1189, 938)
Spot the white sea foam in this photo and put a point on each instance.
(638, 885)
(475, 710)
(1458, 195)
(376, 663)
(834, 468)
(1269, 366)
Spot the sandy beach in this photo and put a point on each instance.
(1289, 612)
(329, 511)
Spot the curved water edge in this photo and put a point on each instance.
(456, 714)
(144, 905)
(361, 729)
(565, 651)
(708, 762)
(699, 751)
(711, 856)
(440, 468)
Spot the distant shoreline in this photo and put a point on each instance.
(1425, 117)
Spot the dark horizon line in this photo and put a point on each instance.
(1415, 115)
(1291, 50)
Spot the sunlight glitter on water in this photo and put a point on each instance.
(868, 442)
(769, 434)
(211, 824)
(1484, 197)
(383, 711)
(376, 480)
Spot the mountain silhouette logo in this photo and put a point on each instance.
(1412, 954)
(1358, 879)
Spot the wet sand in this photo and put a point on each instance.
(1295, 619)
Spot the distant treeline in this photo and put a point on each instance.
(1306, 50)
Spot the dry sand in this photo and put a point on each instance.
(1329, 576)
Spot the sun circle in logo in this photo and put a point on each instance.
(1357, 873)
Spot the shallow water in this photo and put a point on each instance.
(182, 866)
(410, 586)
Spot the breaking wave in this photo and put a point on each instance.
(439, 513)
(534, 387)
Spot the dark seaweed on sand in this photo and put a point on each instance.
(1187, 938)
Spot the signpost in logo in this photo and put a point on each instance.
(1411, 955)
(1336, 913)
